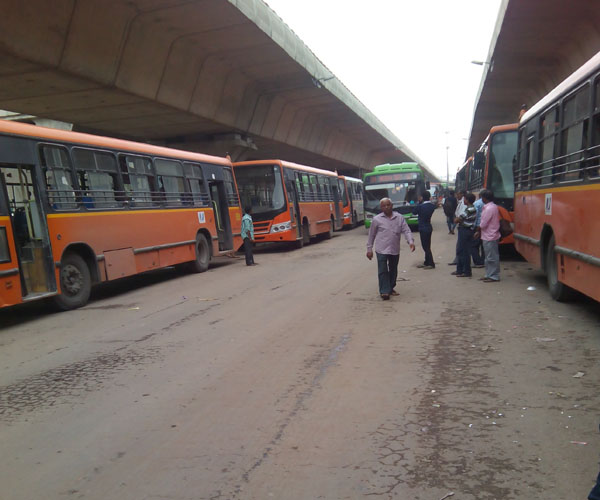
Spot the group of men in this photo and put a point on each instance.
(478, 223)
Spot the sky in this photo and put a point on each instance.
(407, 61)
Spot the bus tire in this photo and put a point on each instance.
(203, 254)
(558, 290)
(305, 233)
(329, 234)
(75, 283)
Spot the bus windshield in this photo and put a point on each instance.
(503, 152)
(401, 193)
(261, 187)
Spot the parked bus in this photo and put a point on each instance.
(491, 167)
(78, 209)
(290, 202)
(557, 184)
(352, 201)
(402, 183)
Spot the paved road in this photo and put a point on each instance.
(293, 380)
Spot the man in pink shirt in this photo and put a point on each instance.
(490, 235)
(387, 227)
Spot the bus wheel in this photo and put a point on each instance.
(558, 291)
(329, 234)
(202, 261)
(305, 233)
(75, 283)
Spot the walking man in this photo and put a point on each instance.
(424, 211)
(490, 235)
(247, 233)
(386, 229)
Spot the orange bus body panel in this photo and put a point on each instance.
(576, 226)
(10, 282)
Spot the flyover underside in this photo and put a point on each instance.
(539, 43)
(173, 71)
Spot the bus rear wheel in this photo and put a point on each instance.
(558, 290)
(75, 283)
(305, 233)
(329, 234)
(202, 261)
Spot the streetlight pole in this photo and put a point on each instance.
(447, 161)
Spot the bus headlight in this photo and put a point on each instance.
(281, 226)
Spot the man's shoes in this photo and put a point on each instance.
(253, 264)
(454, 273)
(478, 266)
(421, 266)
(489, 280)
(385, 296)
(428, 267)
(452, 263)
(464, 275)
(394, 293)
(451, 232)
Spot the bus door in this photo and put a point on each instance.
(292, 193)
(337, 202)
(29, 231)
(220, 206)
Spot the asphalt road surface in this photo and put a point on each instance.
(294, 380)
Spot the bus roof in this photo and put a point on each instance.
(288, 164)
(66, 136)
(572, 81)
(396, 167)
(348, 178)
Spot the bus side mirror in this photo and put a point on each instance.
(427, 185)
(479, 161)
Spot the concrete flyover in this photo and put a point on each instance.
(220, 76)
(536, 44)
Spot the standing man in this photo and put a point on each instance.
(247, 234)
(490, 235)
(449, 207)
(466, 229)
(387, 227)
(460, 209)
(476, 249)
(424, 211)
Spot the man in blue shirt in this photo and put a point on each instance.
(424, 211)
(247, 233)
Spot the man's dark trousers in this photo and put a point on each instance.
(387, 267)
(248, 251)
(425, 236)
(476, 251)
(463, 258)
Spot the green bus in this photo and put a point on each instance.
(402, 183)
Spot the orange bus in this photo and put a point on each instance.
(492, 168)
(353, 207)
(290, 202)
(78, 209)
(557, 184)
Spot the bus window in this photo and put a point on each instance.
(59, 183)
(232, 197)
(548, 130)
(97, 176)
(314, 188)
(594, 156)
(261, 188)
(169, 179)
(199, 195)
(503, 146)
(307, 195)
(575, 126)
(138, 179)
